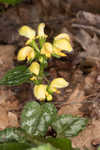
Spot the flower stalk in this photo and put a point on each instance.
(37, 52)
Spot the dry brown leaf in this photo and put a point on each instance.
(85, 138)
(76, 97)
(6, 58)
(5, 94)
(11, 105)
(88, 18)
(90, 80)
(89, 44)
(12, 120)
(3, 118)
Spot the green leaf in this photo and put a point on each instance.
(44, 147)
(15, 146)
(75, 149)
(35, 46)
(43, 60)
(68, 125)
(16, 76)
(36, 118)
(42, 41)
(11, 134)
(11, 2)
(98, 148)
(60, 143)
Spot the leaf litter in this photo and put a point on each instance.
(81, 69)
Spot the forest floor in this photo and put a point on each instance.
(81, 68)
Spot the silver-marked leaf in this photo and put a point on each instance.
(44, 147)
(68, 125)
(36, 118)
(11, 134)
(15, 146)
(59, 143)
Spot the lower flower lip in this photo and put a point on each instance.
(68, 53)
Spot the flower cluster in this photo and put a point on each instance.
(37, 51)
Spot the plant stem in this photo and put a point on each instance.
(34, 45)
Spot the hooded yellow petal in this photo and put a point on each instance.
(40, 91)
(33, 78)
(29, 41)
(47, 49)
(58, 52)
(63, 44)
(34, 68)
(58, 83)
(27, 32)
(62, 36)
(41, 30)
(62, 54)
(31, 55)
(24, 52)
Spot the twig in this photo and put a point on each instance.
(56, 19)
(92, 28)
(64, 103)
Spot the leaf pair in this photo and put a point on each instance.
(21, 141)
(36, 119)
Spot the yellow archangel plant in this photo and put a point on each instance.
(37, 51)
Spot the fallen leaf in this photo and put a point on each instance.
(3, 118)
(12, 120)
(84, 17)
(89, 44)
(85, 138)
(73, 104)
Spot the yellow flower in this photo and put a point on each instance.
(34, 68)
(26, 52)
(62, 36)
(58, 52)
(27, 32)
(61, 43)
(58, 83)
(41, 31)
(40, 91)
(47, 49)
(33, 78)
(49, 96)
(31, 34)
(31, 55)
